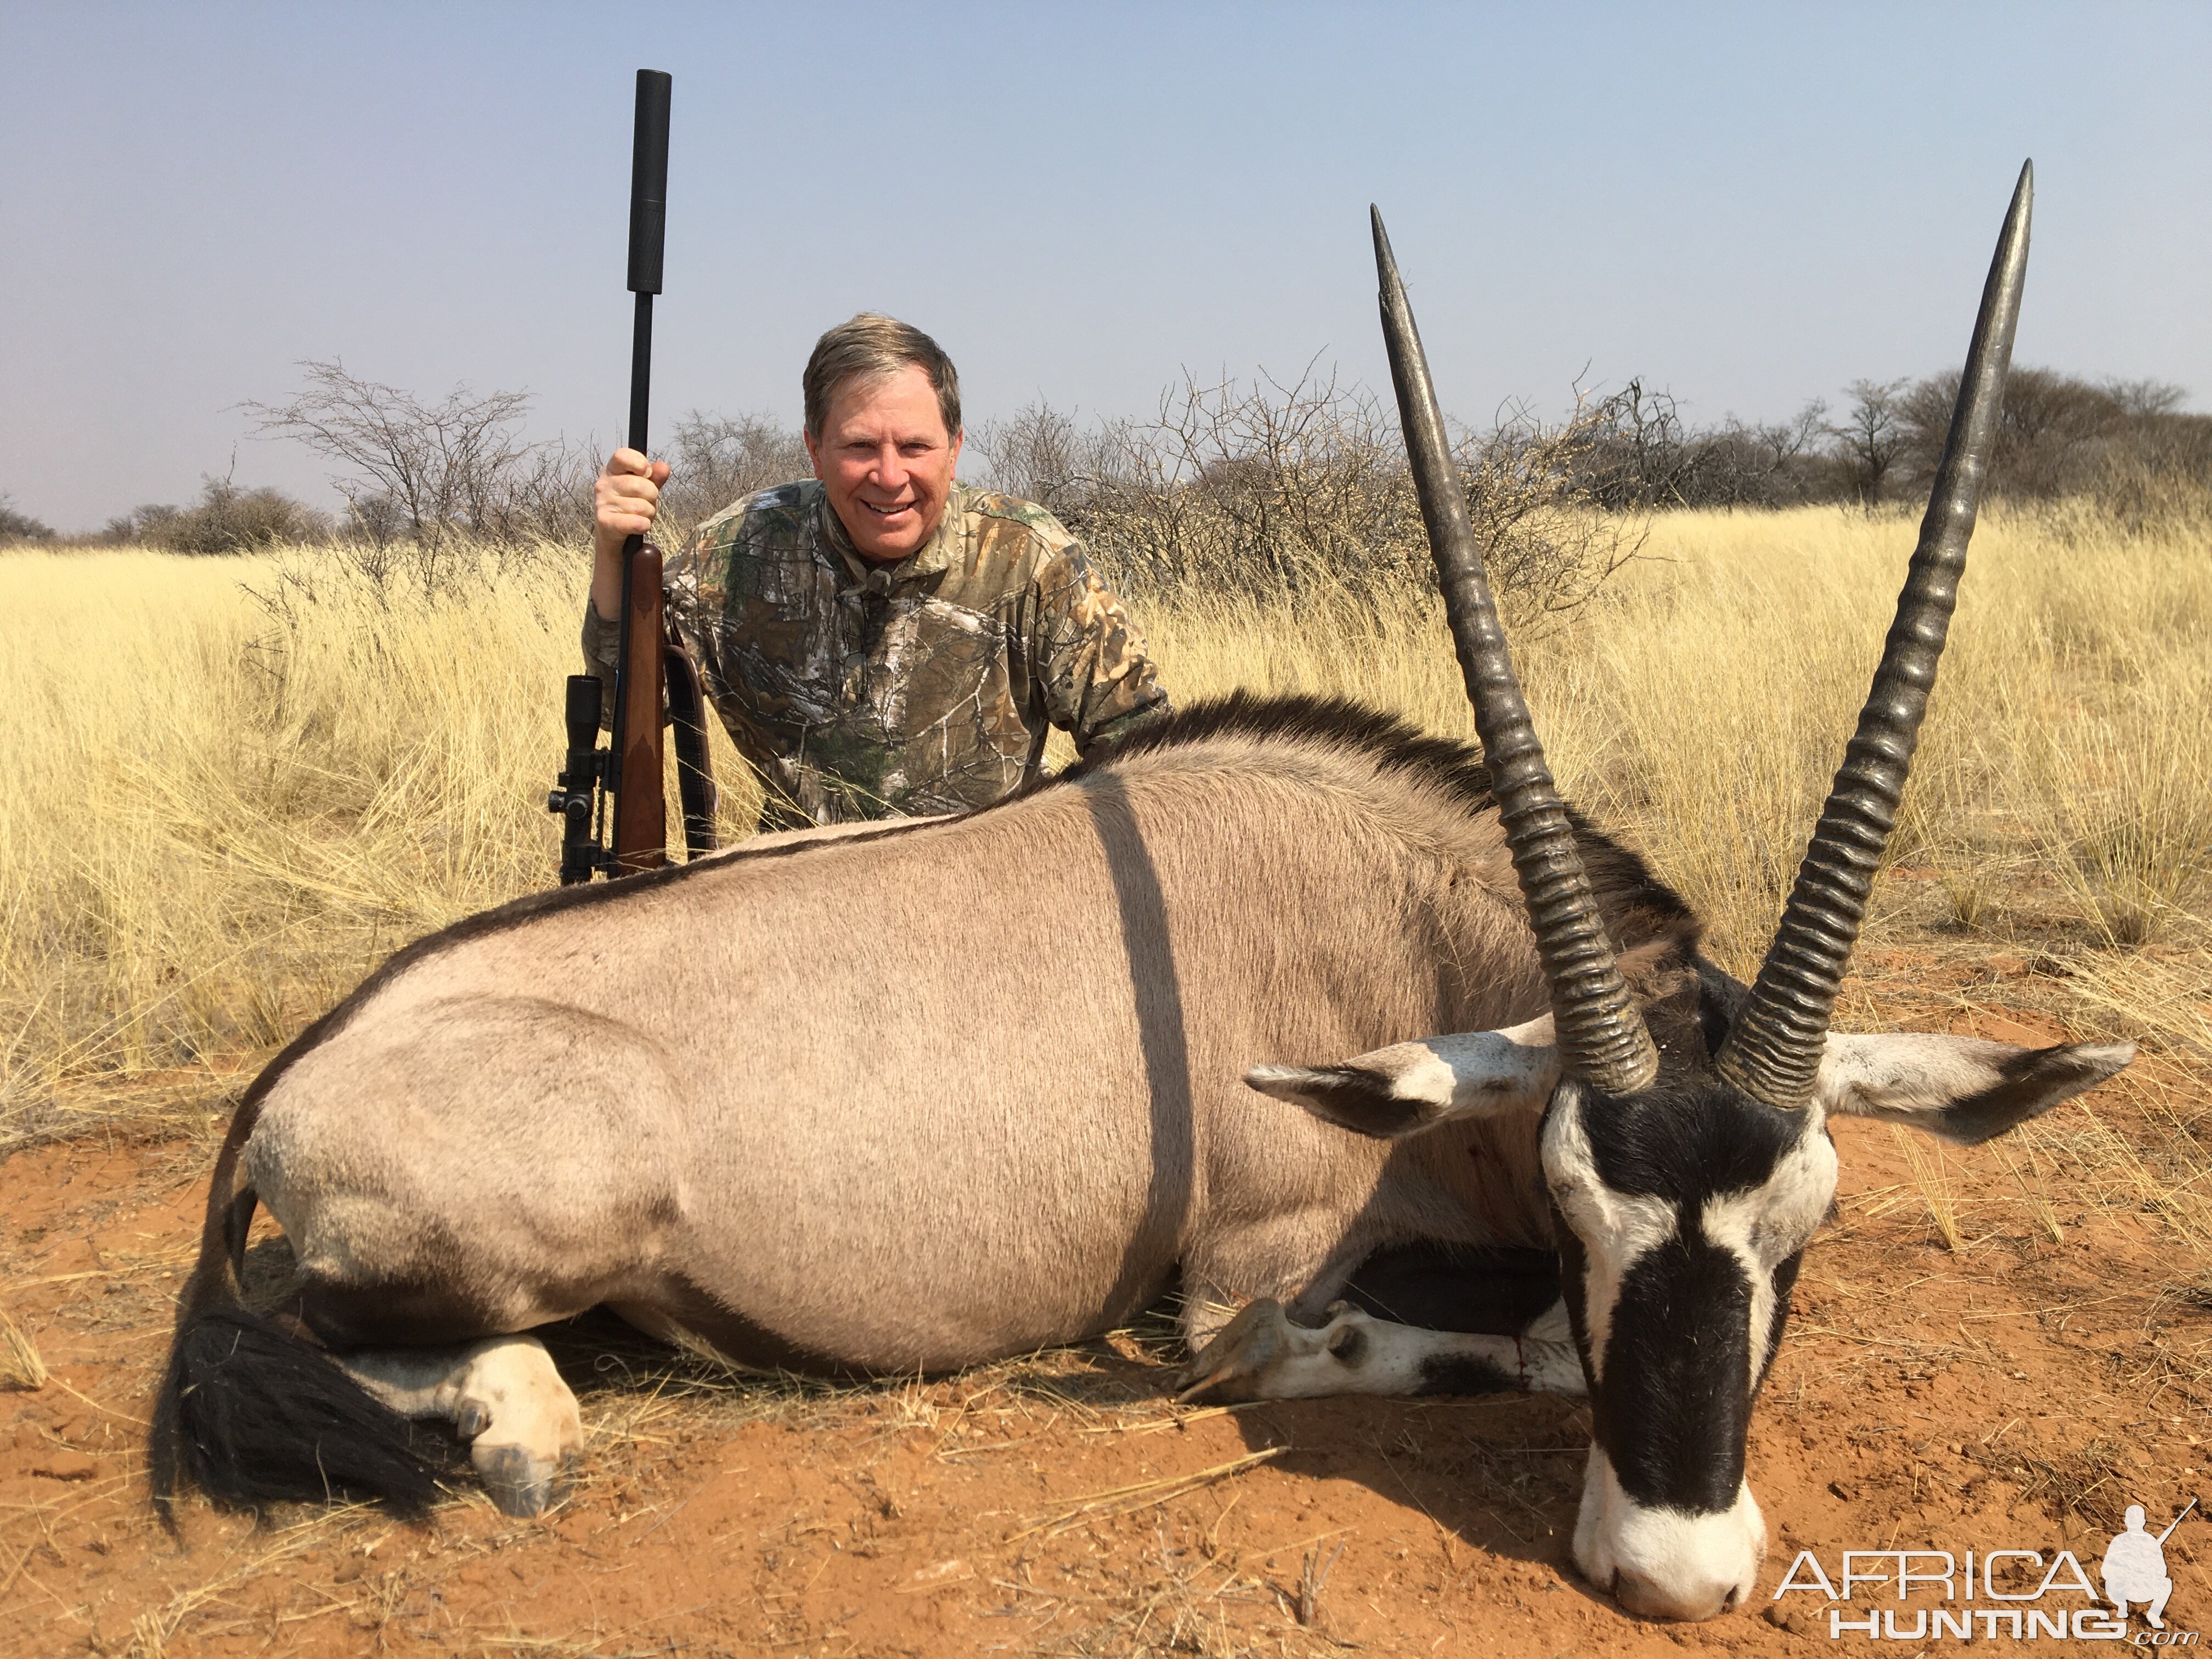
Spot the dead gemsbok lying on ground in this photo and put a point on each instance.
(935, 1093)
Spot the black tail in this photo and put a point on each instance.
(248, 1410)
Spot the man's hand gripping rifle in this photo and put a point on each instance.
(652, 661)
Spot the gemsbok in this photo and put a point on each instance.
(928, 1094)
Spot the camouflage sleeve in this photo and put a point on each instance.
(602, 645)
(1087, 657)
(696, 582)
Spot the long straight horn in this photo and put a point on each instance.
(1602, 1039)
(1773, 1054)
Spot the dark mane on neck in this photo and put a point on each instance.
(1636, 904)
(1393, 743)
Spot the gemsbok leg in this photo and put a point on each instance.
(502, 1395)
(1262, 1355)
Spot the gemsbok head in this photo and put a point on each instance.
(1685, 1144)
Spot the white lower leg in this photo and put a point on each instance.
(1265, 1356)
(502, 1395)
(1358, 1354)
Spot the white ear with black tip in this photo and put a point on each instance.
(1412, 1087)
(1965, 1089)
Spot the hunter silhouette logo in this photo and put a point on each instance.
(2135, 1567)
(2007, 1593)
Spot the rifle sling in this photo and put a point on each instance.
(695, 769)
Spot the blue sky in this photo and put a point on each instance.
(1748, 205)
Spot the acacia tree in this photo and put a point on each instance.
(1872, 435)
(425, 471)
(226, 518)
(1300, 487)
(1040, 454)
(17, 527)
(715, 459)
(2055, 432)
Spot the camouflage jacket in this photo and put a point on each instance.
(859, 690)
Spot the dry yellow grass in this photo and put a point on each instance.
(1703, 706)
(232, 786)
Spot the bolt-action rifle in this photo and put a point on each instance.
(653, 662)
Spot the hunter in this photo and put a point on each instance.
(881, 639)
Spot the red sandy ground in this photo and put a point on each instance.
(2018, 1394)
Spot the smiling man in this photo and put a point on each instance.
(880, 638)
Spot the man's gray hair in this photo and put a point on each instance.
(870, 347)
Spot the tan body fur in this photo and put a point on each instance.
(921, 1098)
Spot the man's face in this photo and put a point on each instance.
(887, 461)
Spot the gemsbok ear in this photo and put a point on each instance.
(1412, 1087)
(1968, 1089)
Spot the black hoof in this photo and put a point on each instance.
(1246, 1347)
(519, 1484)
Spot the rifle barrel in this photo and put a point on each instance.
(640, 379)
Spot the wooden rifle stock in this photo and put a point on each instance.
(641, 829)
